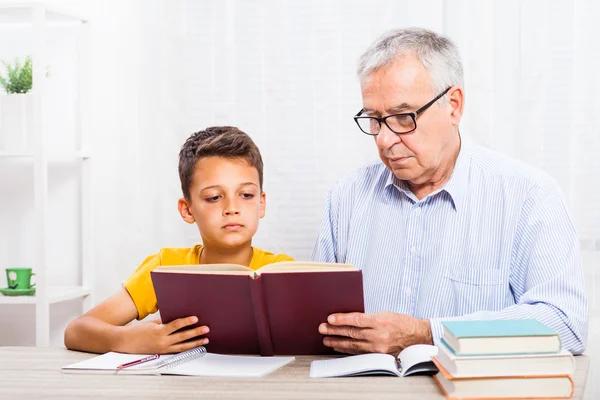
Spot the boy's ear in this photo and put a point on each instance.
(184, 210)
(263, 205)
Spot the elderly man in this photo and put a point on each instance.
(443, 229)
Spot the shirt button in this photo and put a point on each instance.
(413, 249)
(408, 292)
(418, 211)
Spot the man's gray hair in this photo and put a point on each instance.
(437, 53)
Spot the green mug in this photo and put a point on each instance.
(19, 278)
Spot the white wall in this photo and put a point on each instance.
(114, 121)
(284, 73)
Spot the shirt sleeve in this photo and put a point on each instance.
(546, 275)
(325, 247)
(283, 257)
(140, 287)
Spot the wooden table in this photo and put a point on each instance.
(34, 373)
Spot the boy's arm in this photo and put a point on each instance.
(102, 329)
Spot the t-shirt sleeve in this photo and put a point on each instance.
(282, 257)
(140, 288)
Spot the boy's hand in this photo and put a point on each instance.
(155, 337)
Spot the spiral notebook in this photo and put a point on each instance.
(195, 362)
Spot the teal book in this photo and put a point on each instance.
(496, 337)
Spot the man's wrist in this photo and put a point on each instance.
(425, 336)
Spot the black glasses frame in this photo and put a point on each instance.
(383, 120)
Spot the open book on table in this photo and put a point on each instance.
(195, 362)
(413, 360)
(275, 310)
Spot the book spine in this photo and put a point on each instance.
(260, 317)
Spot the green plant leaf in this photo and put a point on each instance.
(18, 77)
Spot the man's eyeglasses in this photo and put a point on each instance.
(397, 123)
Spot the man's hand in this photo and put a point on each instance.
(155, 337)
(384, 332)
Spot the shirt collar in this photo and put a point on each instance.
(393, 182)
(456, 186)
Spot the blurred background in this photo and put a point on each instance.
(284, 72)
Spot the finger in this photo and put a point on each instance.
(179, 323)
(179, 347)
(350, 346)
(360, 320)
(347, 331)
(188, 334)
(156, 321)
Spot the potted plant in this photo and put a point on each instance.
(16, 107)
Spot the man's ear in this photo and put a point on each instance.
(263, 205)
(456, 100)
(184, 210)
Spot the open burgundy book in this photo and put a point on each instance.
(413, 360)
(275, 310)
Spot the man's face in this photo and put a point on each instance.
(226, 201)
(402, 87)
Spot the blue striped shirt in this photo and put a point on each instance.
(496, 242)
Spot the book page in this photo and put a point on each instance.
(225, 269)
(229, 366)
(364, 364)
(417, 358)
(305, 266)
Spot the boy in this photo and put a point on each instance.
(221, 173)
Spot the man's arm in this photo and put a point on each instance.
(546, 275)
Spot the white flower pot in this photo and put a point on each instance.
(16, 122)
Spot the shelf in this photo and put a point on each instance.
(19, 13)
(82, 154)
(47, 166)
(56, 295)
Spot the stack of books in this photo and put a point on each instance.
(503, 359)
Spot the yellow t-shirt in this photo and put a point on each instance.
(139, 284)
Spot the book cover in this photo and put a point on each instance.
(498, 328)
(519, 336)
(275, 310)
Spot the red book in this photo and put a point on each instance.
(275, 310)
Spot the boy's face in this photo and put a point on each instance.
(225, 202)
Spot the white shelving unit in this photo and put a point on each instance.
(40, 18)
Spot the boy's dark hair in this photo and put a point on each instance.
(218, 141)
